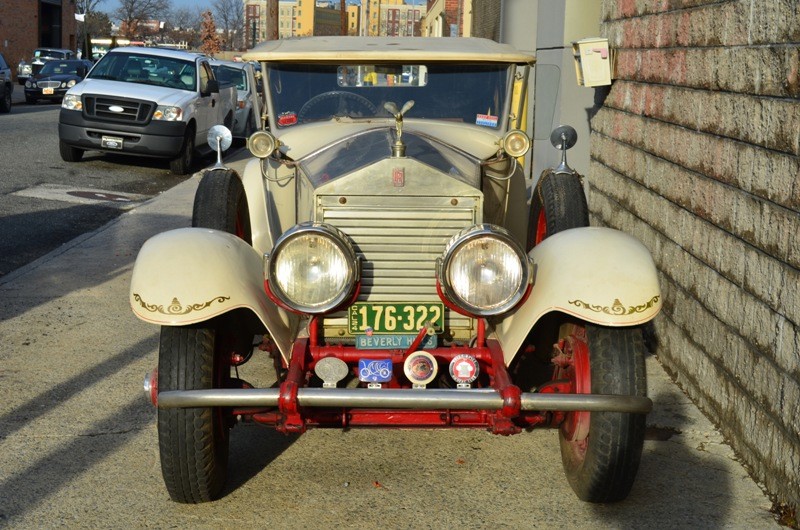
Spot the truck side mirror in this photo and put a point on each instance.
(212, 87)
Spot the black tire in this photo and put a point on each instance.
(558, 203)
(182, 164)
(221, 204)
(601, 465)
(69, 153)
(192, 442)
(5, 101)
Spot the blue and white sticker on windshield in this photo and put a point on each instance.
(487, 120)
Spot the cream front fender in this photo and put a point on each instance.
(599, 275)
(192, 275)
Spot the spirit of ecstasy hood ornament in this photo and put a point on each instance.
(398, 148)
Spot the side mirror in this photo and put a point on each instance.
(212, 87)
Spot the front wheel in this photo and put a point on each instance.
(601, 451)
(69, 153)
(182, 164)
(221, 204)
(193, 442)
(5, 102)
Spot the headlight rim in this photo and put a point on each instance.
(340, 240)
(266, 153)
(458, 242)
(507, 139)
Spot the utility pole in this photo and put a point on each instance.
(343, 15)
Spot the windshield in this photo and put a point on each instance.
(147, 70)
(465, 93)
(60, 67)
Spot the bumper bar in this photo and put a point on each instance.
(482, 399)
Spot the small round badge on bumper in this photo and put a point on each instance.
(464, 370)
(420, 368)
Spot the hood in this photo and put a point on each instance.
(299, 142)
(159, 95)
(373, 146)
(57, 77)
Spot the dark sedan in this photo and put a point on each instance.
(55, 78)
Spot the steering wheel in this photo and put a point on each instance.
(341, 96)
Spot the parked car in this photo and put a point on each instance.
(248, 101)
(41, 56)
(380, 249)
(55, 78)
(148, 102)
(6, 85)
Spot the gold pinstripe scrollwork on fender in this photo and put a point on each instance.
(617, 308)
(176, 308)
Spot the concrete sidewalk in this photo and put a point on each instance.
(78, 441)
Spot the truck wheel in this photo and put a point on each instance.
(182, 164)
(221, 204)
(5, 102)
(601, 451)
(558, 203)
(69, 153)
(193, 442)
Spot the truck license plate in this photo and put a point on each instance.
(111, 142)
(368, 319)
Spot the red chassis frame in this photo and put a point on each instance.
(501, 407)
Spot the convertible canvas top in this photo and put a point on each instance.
(381, 49)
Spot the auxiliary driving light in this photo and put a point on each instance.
(483, 271)
(312, 269)
(516, 143)
(262, 144)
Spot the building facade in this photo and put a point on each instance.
(29, 24)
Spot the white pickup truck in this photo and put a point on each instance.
(147, 102)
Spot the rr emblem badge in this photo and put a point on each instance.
(399, 177)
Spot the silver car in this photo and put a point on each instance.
(41, 56)
(248, 104)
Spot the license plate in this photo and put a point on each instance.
(111, 142)
(47, 91)
(369, 319)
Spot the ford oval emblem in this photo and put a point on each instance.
(116, 108)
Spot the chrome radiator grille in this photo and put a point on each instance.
(399, 244)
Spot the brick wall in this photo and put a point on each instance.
(696, 151)
(19, 29)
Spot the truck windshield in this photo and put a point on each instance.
(147, 70)
(475, 94)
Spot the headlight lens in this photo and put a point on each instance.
(312, 269)
(167, 113)
(484, 271)
(72, 102)
(28, 84)
(71, 83)
(516, 143)
(262, 144)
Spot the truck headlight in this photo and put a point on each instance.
(312, 269)
(483, 271)
(167, 113)
(72, 102)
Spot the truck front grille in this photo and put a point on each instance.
(399, 244)
(133, 111)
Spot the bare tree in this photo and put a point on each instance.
(230, 14)
(132, 13)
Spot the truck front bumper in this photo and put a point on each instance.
(160, 139)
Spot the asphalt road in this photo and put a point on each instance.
(79, 449)
(44, 201)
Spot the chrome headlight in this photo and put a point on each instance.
(313, 268)
(516, 143)
(262, 144)
(483, 270)
(167, 113)
(29, 84)
(72, 102)
(71, 83)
